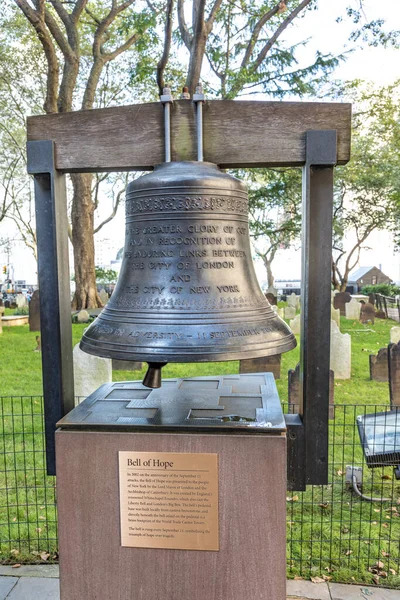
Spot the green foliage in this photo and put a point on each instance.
(104, 276)
(386, 289)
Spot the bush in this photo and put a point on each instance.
(386, 289)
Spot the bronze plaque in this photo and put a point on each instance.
(169, 500)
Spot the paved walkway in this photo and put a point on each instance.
(41, 583)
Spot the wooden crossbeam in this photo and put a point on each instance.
(236, 134)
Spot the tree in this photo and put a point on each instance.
(367, 190)
(80, 40)
(275, 212)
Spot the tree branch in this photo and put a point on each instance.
(263, 53)
(183, 28)
(256, 32)
(167, 46)
(37, 22)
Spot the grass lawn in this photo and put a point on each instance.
(331, 532)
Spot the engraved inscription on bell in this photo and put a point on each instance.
(187, 290)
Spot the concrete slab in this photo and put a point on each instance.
(30, 571)
(35, 588)
(301, 589)
(6, 585)
(340, 591)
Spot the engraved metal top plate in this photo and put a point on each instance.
(247, 403)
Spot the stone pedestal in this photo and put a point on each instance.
(251, 561)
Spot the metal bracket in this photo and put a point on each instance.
(53, 273)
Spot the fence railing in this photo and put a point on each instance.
(331, 532)
(390, 306)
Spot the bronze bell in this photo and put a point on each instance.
(187, 291)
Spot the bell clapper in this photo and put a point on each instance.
(167, 100)
(152, 379)
(199, 99)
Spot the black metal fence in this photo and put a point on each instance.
(331, 531)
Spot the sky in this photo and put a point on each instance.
(379, 65)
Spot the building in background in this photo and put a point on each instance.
(366, 276)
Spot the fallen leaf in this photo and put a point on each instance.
(292, 498)
(298, 578)
(16, 566)
(324, 505)
(348, 552)
(386, 554)
(39, 529)
(44, 555)
(317, 579)
(345, 530)
(386, 477)
(379, 564)
(377, 510)
(14, 552)
(385, 525)
(14, 519)
(393, 572)
(340, 472)
(375, 579)
(327, 577)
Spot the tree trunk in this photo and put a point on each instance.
(82, 219)
(270, 277)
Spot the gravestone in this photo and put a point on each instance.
(353, 309)
(295, 324)
(7, 304)
(83, 316)
(21, 301)
(394, 374)
(335, 315)
(103, 296)
(125, 365)
(272, 290)
(271, 298)
(13, 305)
(340, 353)
(281, 313)
(292, 301)
(380, 314)
(2, 311)
(298, 302)
(371, 299)
(395, 335)
(90, 372)
(367, 314)
(378, 366)
(340, 300)
(290, 312)
(265, 364)
(34, 312)
(294, 391)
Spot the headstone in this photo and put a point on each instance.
(38, 344)
(7, 304)
(293, 391)
(294, 324)
(378, 366)
(83, 316)
(34, 312)
(291, 301)
(2, 311)
(371, 299)
(335, 315)
(290, 312)
(353, 309)
(265, 364)
(281, 312)
(125, 365)
(298, 302)
(90, 372)
(272, 290)
(394, 374)
(103, 296)
(271, 298)
(13, 305)
(367, 313)
(340, 353)
(395, 335)
(380, 314)
(340, 300)
(21, 301)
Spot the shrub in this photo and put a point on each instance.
(386, 289)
